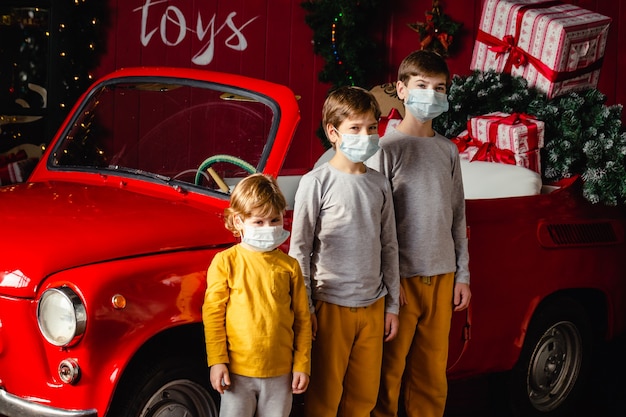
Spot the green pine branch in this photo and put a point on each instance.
(583, 136)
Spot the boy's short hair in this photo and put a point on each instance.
(425, 63)
(255, 192)
(348, 101)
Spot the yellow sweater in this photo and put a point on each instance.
(256, 313)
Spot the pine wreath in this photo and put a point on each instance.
(341, 38)
(583, 136)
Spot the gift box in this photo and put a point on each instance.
(556, 47)
(530, 160)
(501, 137)
(389, 122)
(517, 132)
(467, 146)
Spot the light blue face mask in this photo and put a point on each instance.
(358, 148)
(426, 104)
(264, 238)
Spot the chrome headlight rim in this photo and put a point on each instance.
(73, 305)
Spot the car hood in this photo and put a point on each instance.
(65, 225)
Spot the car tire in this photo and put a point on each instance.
(554, 364)
(172, 387)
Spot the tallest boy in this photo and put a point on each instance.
(424, 169)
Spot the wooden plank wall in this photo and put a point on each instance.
(269, 39)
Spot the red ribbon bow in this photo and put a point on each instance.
(513, 119)
(518, 57)
(465, 141)
(491, 153)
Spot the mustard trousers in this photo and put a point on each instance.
(416, 359)
(345, 360)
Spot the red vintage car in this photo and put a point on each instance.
(105, 251)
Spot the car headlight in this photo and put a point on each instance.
(61, 316)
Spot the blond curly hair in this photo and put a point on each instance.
(257, 192)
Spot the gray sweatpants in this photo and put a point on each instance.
(267, 397)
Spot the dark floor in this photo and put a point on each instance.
(470, 398)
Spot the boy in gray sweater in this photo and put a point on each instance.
(344, 237)
(425, 175)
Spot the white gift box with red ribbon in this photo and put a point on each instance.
(556, 47)
(501, 137)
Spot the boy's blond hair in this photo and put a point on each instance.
(424, 63)
(255, 192)
(348, 101)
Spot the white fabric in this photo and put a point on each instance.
(494, 180)
(288, 184)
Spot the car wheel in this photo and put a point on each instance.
(170, 388)
(549, 377)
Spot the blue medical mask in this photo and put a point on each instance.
(426, 104)
(264, 238)
(358, 148)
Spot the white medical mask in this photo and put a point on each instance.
(264, 238)
(358, 148)
(426, 104)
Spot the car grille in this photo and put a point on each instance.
(604, 232)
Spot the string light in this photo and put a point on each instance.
(78, 37)
(333, 43)
(333, 39)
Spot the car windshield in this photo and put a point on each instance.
(202, 134)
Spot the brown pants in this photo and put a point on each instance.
(422, 347)
(346, 360)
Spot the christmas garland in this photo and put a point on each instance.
(340, 37)
(583, 136)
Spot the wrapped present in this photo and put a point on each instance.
(6, 159)
(530, 160)
(518, 132)
(556, 47)
(467, 146)
(514, 139)
(386, 123)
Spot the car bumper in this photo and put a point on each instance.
(13, 406)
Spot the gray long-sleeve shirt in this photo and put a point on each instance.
(425, 175)
(344, 237)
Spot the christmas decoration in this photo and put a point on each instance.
(438, 31)
(81, 35)
(557, 47)
(47, 55)
(501, 137)
(583, 136)
(24, 49)
(340, 36)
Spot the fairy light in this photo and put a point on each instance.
(333, 42)
(74, 53)
(333, 39)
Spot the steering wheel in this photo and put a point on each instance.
(206, 166)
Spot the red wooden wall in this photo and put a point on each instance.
(269, 39)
